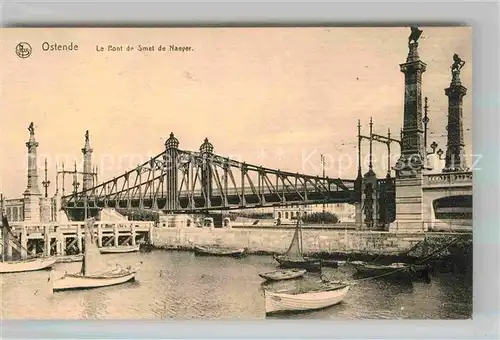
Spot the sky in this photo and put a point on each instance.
(276, 97)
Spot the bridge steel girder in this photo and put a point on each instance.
(210, 182)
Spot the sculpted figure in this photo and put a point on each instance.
(87, 135)
(457, 63)
(414, 35)
(31, 129)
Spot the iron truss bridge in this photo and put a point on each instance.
(178, 181)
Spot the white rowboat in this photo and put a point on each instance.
(26, 265)
(290, 301)
(119, 249)
(78, 281)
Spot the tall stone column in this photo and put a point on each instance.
(455, 153)
(409, 194)
(87, 163)
(32, 193)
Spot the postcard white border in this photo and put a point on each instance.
(483, 16)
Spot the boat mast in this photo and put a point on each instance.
(300, 229)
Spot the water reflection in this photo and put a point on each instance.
(179, 285)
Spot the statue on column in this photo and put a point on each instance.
(31, 129)
(87, 135)
(458, 63)
(414, 35)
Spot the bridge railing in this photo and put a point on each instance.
(458, 226)
(448, 178)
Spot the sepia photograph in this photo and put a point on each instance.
(237, 173)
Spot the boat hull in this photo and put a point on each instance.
(70, 282)
(283, 302)
(26, 265)
(207, 251)
(69, 258)
(307, 264)
(119, 249)
(279, 275)
(395, 271)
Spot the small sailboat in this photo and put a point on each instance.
(119, 249)
(294, 258)
(94, 273)
(219, 251)
(30, 264)
(285, 274)
(297, 300)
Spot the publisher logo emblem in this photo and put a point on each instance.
(23, 50)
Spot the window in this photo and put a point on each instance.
(279, 214)
(14, 214)
(286, 214)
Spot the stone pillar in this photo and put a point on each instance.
(455, 153)
(32, 193)
(87, 163)
(409, 194)
(45, 210)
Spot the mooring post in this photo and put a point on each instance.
(150, 233)
(63, 244)
(46, 245)
(132, 232)
(59, 245)
(116, 234)
(24, 243)
(79, 238)
(99, 235)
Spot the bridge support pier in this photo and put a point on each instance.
(99, 236)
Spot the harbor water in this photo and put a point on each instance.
(180, 285)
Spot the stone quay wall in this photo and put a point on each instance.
(277, 240)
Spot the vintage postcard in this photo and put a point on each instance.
(236, 173)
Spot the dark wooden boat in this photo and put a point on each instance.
(219, 251)
(395, 270)
(285, 274)
(294, 257)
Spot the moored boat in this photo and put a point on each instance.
(94, 273)
(119, 249)
(289, 301)
(219, 251)
(69, 258)
(294, 257)
(26, 265)
(18, 266)
(286, 274)
(389, 270)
